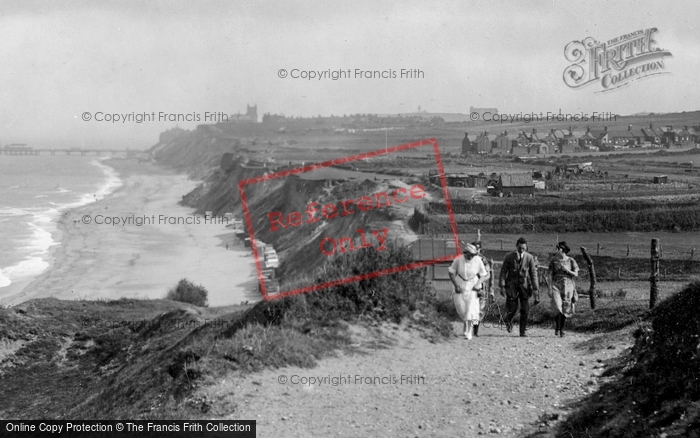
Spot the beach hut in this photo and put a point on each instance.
(272, 262)
(431, 248)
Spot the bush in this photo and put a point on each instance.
(390, 297)
(187, 292)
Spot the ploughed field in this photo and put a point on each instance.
(621, 207)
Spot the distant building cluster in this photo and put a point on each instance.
(482, 111)
(355, 121)
(570, 140)
(251, 115)
(505, 184)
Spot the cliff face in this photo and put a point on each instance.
(217, 158)
(194, 151)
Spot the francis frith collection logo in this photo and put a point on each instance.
(615, 63)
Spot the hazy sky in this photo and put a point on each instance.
(63, 58)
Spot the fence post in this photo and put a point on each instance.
(619, 273)
(501, 244)
(597, 250)
(628, 250)
(591, 274)
(692, 253)
(478, 235)
(654, 278)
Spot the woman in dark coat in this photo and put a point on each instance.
(563, 269)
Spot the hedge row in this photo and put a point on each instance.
(657, 219)
(604, 205)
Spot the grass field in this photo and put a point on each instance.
(675, 245)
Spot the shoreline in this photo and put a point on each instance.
(99, 260)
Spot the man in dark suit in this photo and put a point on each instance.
(518, 282)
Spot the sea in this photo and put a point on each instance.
(34, 192)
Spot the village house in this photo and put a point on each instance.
(670, 136)
(566, 148)
(570, 137)
(538, 148)
(602, 138)
(552, 139)
(684, 138)
(594, 139)
(626, 138)
(567, 140)
(653, 135)
(484, 143)
(695, 130)
(519, 151)
(521, 140)
(503, 143)
(468, 146)
(536, 137)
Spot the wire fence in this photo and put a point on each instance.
(632, 250)
(616, 250)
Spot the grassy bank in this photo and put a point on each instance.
(655, 389)
(145, 359)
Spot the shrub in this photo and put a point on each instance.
(391, 297)
(187, 292)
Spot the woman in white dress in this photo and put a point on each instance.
(468, 273)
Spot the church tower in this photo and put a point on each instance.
(252, 112)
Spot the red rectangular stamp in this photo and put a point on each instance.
(328, 210)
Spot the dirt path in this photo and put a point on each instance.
(496, 384)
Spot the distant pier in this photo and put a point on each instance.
(72, 151)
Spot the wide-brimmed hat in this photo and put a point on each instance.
(469, 249)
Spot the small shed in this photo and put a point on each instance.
(516, 184)
(457, 180)
(661, 179)
(478, 181)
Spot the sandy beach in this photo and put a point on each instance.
(99, 259)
